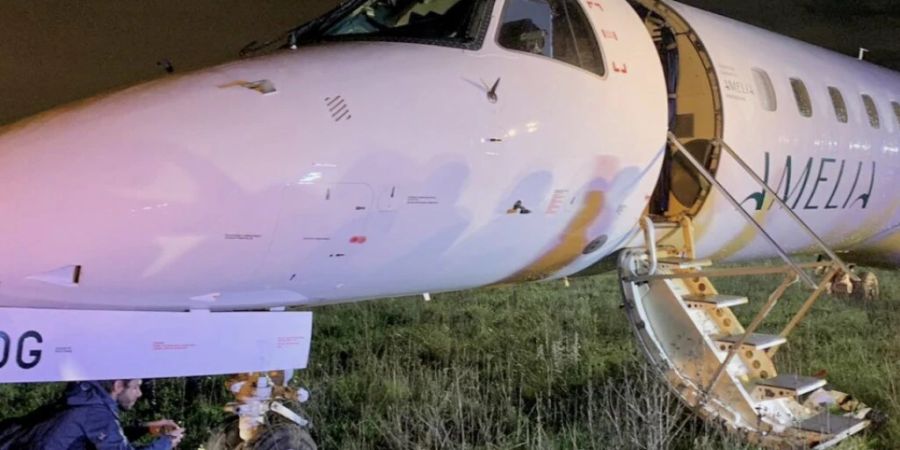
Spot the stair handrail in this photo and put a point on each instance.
(650, 241)
(757, 321)
(828, 251)
(706, 174)
(807, 305)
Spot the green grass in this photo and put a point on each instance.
(533, 366)
(542, 366)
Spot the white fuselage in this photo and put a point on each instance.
(382, 168)
(848, 193)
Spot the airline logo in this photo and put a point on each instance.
(819, 183)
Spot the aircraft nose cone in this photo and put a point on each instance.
(134, 185)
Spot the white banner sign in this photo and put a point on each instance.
(43, 345)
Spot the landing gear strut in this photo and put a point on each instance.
(862, 286)
(267, 417)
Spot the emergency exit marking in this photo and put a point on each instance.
(557, 200)
(593, 5)
(623, 69)
(610, 35)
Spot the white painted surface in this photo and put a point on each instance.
(832, 206)
(196, 192)
(170, 192)
(59, 345)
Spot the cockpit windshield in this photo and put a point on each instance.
(455, 23)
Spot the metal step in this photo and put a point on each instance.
(830, 424)
(677, 336)
(786, 386)
(717, 301)
(683, 263)
(754, 341)
(664, 224)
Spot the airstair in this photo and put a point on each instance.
(722, 369)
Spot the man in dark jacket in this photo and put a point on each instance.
(87, 418)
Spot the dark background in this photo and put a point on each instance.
(56, 51)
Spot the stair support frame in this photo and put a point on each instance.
(640, 266)
(807, 305)
(757, 321)
(724, 273)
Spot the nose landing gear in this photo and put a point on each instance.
(267, 415)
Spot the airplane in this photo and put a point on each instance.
(396, 148)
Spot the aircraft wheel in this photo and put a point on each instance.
(282, 436)
(227, 437)
(842, 285)
(866, 289)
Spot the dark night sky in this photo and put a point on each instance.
(55, 51)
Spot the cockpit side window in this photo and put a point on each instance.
(556, 29)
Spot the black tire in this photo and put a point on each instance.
(227, 437)
(867, 288)
(282, 436)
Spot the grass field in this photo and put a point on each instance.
(535, 366)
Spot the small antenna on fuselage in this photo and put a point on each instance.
(862, 53)
(492, 93)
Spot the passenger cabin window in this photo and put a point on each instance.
(767, 91)
(804, 104)
(556, 29)
(896, 111)
(872, 111)
(840, 107)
